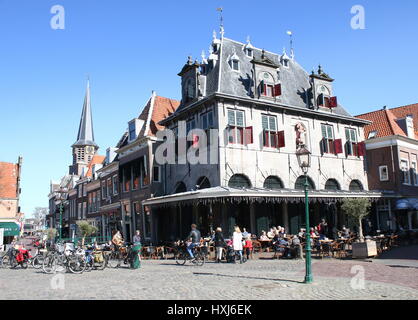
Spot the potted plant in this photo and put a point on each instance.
(86, 230)
(358, 209)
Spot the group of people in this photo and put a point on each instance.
(135, 250)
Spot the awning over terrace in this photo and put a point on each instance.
(255, 195)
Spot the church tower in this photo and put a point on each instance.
(84, 148)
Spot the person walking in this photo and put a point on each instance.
(237, 242)
(136, 251)
(219, 244)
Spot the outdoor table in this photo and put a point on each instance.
(265, 243)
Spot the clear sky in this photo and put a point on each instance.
(131, 47)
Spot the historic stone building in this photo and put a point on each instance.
(264, 106)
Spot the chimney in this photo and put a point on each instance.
(410, 130)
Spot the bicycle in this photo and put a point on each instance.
(71, 260)
(95, 260)
(183, 255)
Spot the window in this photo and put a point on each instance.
(239, 181)
(126, 179)
(406, 179)
(332, 184)
(356, 186)
(351, 145)
(372, 134)
(84, 210)
(79, 213)
(207, 120)
(109, 187)
(300, 183)
(115, 184)
(249, 52)
(156, 174)
(80, 191)
(104, 190)
(136, 176)
(84, 190)
(132, 130)
(327, 139)
(236, 124)
(190, 125)
(285, 63)
(235, 65)
(383, 173)
(273, 183)
(269, 124)
(414, 174)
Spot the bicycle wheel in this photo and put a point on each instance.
(100, 265)
(37, 261)
(49, 264)
(114, 260)
(5, 261)
(76, 264)
(13, 263)
(200, 259)
(181, 258)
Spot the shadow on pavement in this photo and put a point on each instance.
(244, 277)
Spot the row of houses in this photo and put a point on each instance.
(226, 154)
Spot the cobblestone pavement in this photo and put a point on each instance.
(256, 279)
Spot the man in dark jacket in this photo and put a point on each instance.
(194, 239)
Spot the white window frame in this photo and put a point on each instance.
(415, 173)
(249, 50)
(235, 111)
(405, 172)
(380, 173)
(269, 129)
(350, 141)
(115, 184)
(107, 186)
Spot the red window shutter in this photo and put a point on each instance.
(338, 146)
(324, 145)
(278, 90)
(333, 102)
(361, 149)
(266, 138)
(241, 135)
(326, 102)
(195, 141)
(248, 135)
(280, 138)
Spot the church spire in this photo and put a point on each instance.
(85, 136)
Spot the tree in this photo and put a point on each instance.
(358, 209)
(51, 233)
(86, 229)
(39, 214)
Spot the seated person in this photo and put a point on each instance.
(270, 234)
(263, 236)
(280, 245)
(301, 233)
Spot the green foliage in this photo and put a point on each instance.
(86, 229)
(51, 233)
(357, 208)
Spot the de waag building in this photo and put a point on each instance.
(265, 106)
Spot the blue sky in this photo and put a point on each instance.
(131, 47)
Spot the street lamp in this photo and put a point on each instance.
(61, 198)
(304, 159)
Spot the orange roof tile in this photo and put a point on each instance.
(8, 179)
(95, 160)
(163, 107)
(385, 121)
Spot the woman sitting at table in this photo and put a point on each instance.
(270, 234)
(280, 245)
(263, 236)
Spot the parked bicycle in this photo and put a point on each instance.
(72, 260)
(95, 259)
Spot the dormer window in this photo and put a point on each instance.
(286, 63)
(372, 134)
(249, 52)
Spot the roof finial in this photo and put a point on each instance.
(221, 18)
(214, 35)
(248, 40)
(319, 69)
(189, 60)
(263, 54)
(292, 54)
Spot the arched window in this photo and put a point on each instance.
(203, 183)
(332, 184)
(272, 183)
(180, 187)
(239, 181)
(300, 183)
(355, 185)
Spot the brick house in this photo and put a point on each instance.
(10, 215)
(392, 160)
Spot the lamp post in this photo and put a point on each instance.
(304, 159)
(61, 198)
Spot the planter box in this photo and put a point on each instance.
(364, 249)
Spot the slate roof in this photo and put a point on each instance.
(385, 121)
(85, 136)
(294, 79)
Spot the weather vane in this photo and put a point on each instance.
(290, 33)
